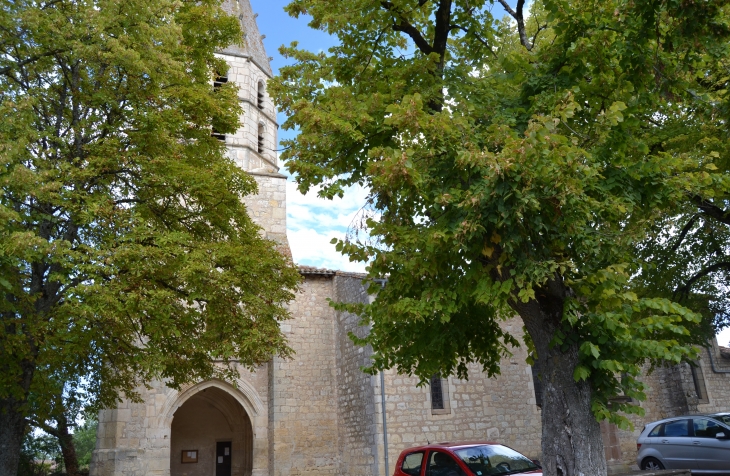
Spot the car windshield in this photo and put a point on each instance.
(723, 418)
(488, 460)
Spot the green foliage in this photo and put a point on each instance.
(39, 453)
(505, 173)
(85, 441)
(125, 251)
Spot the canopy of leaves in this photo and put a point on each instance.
(505, 157)
(126, 253)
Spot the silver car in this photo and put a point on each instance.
(697, 442)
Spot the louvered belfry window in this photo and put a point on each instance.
(260, 97)
(217, 83)
(437, 392)
(260, 144)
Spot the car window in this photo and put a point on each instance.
(442, 464)
(493, 460)
(723, 418)
(676, 428)
(657, 431)
(706, 428)
(412, 464)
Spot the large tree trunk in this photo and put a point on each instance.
(68, 450)
(572, 444)
(12, 430)
(12, 417)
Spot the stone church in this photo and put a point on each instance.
(318, 414)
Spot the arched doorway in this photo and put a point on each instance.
(211, 434)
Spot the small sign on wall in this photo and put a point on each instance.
(190, 456)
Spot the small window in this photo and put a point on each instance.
(676, 429)
(443, 464)
(698, 378)
(260, 96)
(260, 145)
(657, 431)
(437, 393)
(412, 464)
(537, 383)
(219, 81)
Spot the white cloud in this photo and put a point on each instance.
(312, 222)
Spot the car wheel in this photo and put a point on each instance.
(651, 464)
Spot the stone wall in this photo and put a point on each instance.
(717, 380)
(304, 389)
(356, 390)
(500, 409)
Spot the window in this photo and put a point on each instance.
(657, 431)
(260, 96)
(260, 145)
(537, 384)
(493, 460)
(412, 464)
(698, 379)
(707, 428)
(442, 464)
(218, 82)
(437, 393)
(676, 428)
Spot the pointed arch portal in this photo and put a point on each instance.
(211, 434)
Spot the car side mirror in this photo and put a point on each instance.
(537, 463)
(720, 436)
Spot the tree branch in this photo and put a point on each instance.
(443, 27)
(43, 426)
(684, 232)
(684, 290)
(519, 17)
(479, 38)
(32, 59)
(404, 26)
(711, 209)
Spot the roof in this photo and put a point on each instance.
(452, 444)
(253, 42)
(313, 271)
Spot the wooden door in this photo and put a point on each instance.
(223, 458)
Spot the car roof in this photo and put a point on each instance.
(450, 445)
(680, 417)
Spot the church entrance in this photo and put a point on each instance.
(211, 435)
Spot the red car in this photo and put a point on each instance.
(478, 458)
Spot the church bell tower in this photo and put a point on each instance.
(253, 146)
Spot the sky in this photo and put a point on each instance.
(313, 222)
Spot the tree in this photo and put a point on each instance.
(37, 455)
(515, 166)
(126, 253)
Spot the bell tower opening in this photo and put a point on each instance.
(211, 434)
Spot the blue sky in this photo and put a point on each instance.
(311, 221)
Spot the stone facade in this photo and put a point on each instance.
(319, 414)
